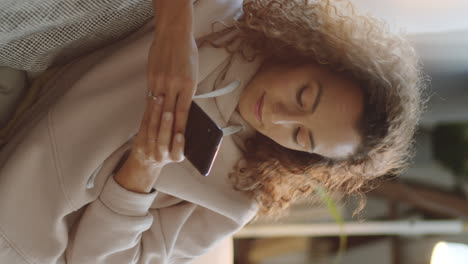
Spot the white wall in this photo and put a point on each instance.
(438, 29)
(420, 16)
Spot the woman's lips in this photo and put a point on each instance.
(258, 109)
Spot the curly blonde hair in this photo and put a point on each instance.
(334, 34)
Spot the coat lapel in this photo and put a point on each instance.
(239, 70)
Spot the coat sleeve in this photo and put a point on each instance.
(119, 227)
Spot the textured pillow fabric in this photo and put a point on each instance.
(37, 34)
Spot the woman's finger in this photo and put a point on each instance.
(165, 134)
(170, 91)
(177, 150)
(154, 123)
(182, 109)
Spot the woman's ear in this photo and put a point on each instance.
(242, 165)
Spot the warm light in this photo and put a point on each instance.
(449, 253)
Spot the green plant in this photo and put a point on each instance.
(331, 205)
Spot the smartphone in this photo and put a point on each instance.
(202, 140)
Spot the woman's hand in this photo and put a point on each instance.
(152, 148)
(173, 58)
(172, 78)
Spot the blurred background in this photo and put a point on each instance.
(405, 217)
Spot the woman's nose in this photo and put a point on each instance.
(283, 117)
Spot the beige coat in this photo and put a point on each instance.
(58, 200)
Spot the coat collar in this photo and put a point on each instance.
(221, 108)
(242, 71)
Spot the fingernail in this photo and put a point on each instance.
(160, 99)
(179, 137)
(167, 116)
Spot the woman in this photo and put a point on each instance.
(324, 97)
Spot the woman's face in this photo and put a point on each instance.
(305, 107)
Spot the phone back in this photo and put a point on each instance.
(202, 140)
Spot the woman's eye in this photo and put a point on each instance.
(299, 96)
(296, 134)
